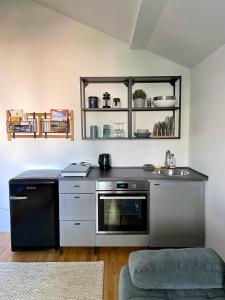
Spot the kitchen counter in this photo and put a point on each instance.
(177, 201)
(137, 173)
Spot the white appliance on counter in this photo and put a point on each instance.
(76, 170)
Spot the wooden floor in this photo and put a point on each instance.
(114, 259)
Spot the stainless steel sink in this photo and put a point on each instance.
(171, 172)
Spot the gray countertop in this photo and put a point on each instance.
(138, 173)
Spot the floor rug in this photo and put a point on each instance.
(51, 281)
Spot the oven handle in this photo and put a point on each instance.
(123, 197)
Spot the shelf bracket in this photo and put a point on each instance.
(172, 82)
(127, 82)
(85, 84)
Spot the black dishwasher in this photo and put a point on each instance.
(34, 210)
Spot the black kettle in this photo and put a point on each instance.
(104, 161)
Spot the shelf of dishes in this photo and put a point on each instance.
(133, 109)
(57, 124)
(143, 98)
(115, 131)
(165, 128)
(161, 129)
(105, 109)
(155, 109)
(158, 103)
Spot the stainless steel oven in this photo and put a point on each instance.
(122, 207)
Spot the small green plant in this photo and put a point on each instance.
(139, 94)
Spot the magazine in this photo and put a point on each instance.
(16, 115)
(59, 120)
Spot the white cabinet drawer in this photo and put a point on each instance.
(77, 233)
(77, 186)
(77, 207)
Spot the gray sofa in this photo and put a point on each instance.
(194, 273)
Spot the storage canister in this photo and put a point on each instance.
(93, 102)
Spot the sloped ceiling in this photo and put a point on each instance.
(184, 31)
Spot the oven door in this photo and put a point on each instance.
(122, 212)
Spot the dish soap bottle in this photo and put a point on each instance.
(172, 162)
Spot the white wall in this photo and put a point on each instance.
(42, 56)
(207, 140)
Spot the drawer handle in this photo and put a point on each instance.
(76, 223)
(156, 184)
(76, 186)
(77, 197)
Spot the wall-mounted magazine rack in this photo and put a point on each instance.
(39, 125)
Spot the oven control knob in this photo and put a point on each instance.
(133, 185)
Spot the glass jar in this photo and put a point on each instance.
(119, 130)
(106, 131)
(122, 130)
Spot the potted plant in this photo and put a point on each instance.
(139, 97)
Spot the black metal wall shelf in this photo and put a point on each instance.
(129, 82)
(88, 80)
(105, 109)
(155, 109)
(155, 79)
(157, 138)
(109, 138)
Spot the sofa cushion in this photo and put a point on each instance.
(127, 291)
(194, 268)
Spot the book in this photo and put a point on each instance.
(16, 112)
(59, 119)
(76, 170)
(59, 115)
(16, 115)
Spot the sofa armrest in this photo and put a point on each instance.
(194, 268)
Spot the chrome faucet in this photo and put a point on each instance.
(167, 159)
